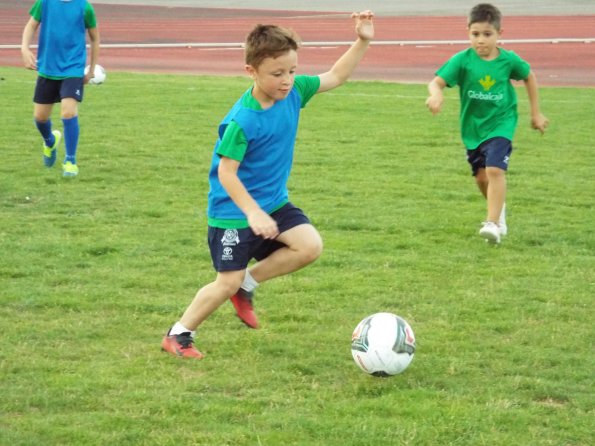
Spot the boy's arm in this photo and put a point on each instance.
(342, 69)
(260, 222)
(538, 121)
(95, 40)
(29, 59)
(435, 87)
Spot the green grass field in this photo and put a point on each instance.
(95, 269)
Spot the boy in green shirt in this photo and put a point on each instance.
(488, 114)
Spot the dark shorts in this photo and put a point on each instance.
(494, 152)
(232, 249)
(50, 91)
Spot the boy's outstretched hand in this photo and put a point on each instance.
(363, 24)
(29, 59)
(434, 103)
(540, 123)
(262, 224)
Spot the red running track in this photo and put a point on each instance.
(556, 64)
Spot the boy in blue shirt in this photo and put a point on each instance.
(249, 212)
(488, 113)
(60, 62)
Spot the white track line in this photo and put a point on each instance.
(327, 44)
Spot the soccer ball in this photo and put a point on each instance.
(99, 75)
(383, 344)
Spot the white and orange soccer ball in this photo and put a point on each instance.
(383, 344)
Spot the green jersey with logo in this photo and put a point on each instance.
(488, 99)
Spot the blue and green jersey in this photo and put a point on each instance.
(62, 48)
(262, 141)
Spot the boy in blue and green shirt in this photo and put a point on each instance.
(488, 114)
(60, 62)
(249, 212)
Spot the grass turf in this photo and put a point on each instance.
(95, 269)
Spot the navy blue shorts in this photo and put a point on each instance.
(50, 91)
(494, 152)
(232, 249)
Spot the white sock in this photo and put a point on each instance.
(178, 328)
(502, 218)
(249, 284)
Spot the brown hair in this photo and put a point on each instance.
(485, 12)
(269, 41)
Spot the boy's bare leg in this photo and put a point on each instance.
(304, 246)
(69, 108)
(491, 181)
(210, 297)
(42, 112)
(481, 179)
(496, 192)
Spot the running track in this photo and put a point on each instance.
(406, 49)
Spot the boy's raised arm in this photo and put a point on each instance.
(343, 68)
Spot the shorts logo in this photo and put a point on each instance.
(78, 92)
(227, 254)
(230, 237)
(505, 160)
